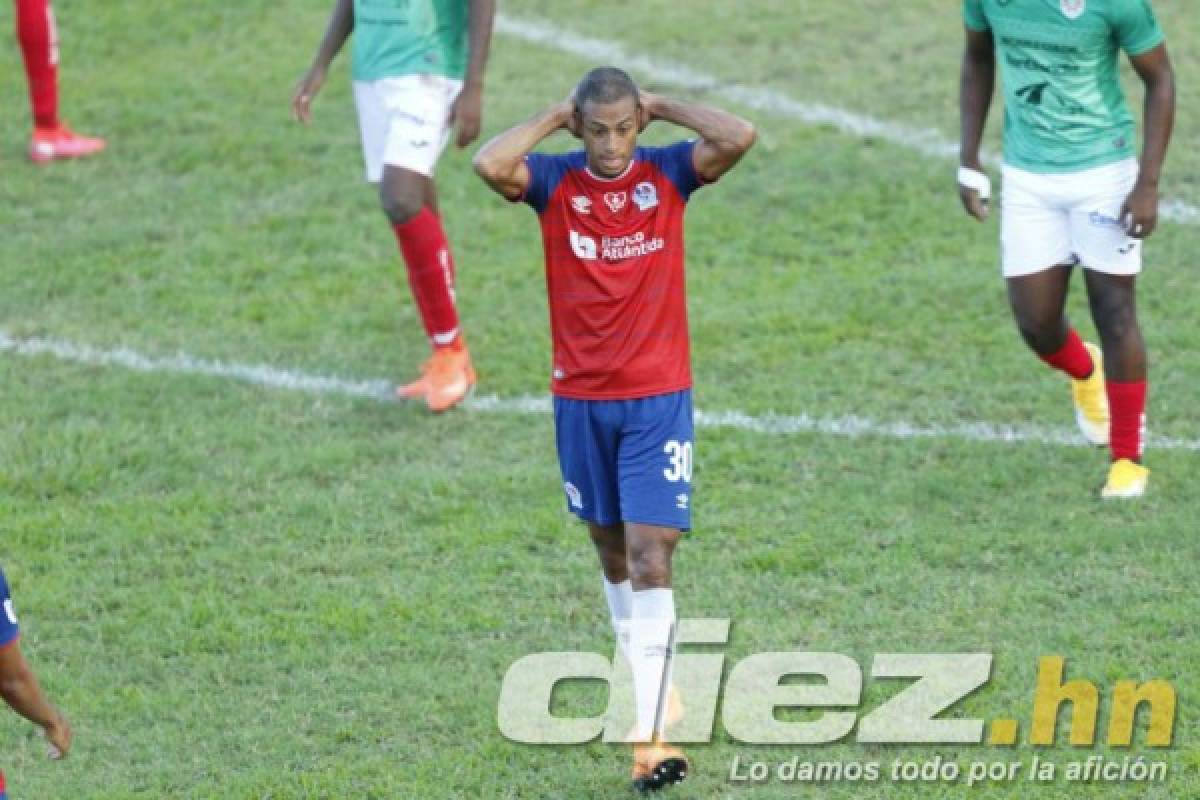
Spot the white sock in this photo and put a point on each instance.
(650, 641)
(620, 608)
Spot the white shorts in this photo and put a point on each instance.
(404, 121)
(1068, 218)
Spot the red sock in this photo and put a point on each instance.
(1127, 409)
(1072, 358)
(430, 275)
(39, 44)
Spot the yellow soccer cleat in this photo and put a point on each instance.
(1126, 479)
(1091, 401)
(657, 765)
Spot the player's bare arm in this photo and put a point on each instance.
(977, 83)
(467, 112)
(501, 162)
(341, 25)
(1140, 212)
(724, 137)
(20, 689)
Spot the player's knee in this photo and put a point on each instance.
(400, 204)
(650, 569)
(1042, 335)
(1113, 307)
(1115, 320)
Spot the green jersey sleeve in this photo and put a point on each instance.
(974, 17)
(1136, 27)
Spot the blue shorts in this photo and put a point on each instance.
(627, 460)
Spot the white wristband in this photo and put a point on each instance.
(972, 179)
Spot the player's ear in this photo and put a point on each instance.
(643, 115)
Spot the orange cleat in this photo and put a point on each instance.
(657, 765)
(417, 388)
(51, 144)
(450, 378)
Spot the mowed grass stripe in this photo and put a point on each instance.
(381, 390)
(926, 141)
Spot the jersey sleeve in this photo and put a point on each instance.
(1136, 27)
(676, 162)
(974, 16)
(8, 617)
(545, 173)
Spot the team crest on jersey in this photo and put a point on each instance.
(1072, 9)
(616, 200)
(581, 204)
(645, 196)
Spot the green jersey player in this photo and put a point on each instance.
(1075, 192)
(418, 72)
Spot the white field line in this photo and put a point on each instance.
(381, 390)
(925, 141)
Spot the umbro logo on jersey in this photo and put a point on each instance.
(581, 204)
(615, 200)
(681, 501)
(583, 246)
(645, 196)
(1072, 9)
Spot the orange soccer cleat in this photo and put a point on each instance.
(447, 377)
(657, 765)
(51, 144)
(417, 388)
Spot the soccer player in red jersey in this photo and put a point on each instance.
(418, 73)
(612, 230)
(38, 35)
(19, 687)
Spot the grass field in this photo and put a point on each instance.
(245, 592)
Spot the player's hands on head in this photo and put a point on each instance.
(58, 737)
(572, 116)
(305, 91)
(1139, 214)
(467, 114)
(647, 103)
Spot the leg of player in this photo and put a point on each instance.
(448, 375)
(1112, 299)
(651, 641)
(38, 37)
(1037, 302)
(618, 589)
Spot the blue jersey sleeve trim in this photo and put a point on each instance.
(546, 172)
(676, 161)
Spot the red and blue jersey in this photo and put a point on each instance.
(615, 271)
(8, 617)
(8, 635)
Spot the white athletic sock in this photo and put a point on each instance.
(620, 608)
(650, 641)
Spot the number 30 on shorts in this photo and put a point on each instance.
(680, 456)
